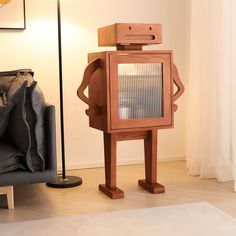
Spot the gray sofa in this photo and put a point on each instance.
(50, 173)
(27, 170)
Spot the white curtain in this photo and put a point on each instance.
(211, 90)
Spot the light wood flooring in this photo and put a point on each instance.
(39, 202)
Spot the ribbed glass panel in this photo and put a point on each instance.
(140, 90)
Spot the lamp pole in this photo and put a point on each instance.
(62, 181)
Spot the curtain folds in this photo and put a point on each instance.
(211, 90)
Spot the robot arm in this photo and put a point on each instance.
(90, 69)
(179, 86)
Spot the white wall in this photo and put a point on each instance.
(36, 48)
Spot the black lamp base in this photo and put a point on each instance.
(68, 182)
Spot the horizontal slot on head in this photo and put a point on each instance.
(139, 37)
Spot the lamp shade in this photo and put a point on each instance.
(4, 1)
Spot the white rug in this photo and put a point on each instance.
(197, 219)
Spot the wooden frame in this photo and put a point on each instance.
(141, 57)
(9, 191)
(12, 15)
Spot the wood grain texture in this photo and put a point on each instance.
(9, 192)
(36, 201)
(110, 159)
(150, 156)
(130, 33)
(98, 92)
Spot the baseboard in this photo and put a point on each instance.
(122, 163)
(171, 158)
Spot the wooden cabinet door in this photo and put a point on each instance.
(140, 89)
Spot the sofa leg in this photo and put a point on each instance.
(9, 191)
(10, 197)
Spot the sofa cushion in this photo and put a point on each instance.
(5, 108)
(35, 116)
(28, 120)
(7, 77)
(5, 82)
(10, 158)
(18, 129)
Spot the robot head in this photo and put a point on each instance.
(129, 34)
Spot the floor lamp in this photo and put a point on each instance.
(63, 181)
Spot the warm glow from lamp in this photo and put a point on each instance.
(4, 1)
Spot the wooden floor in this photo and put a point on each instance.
(39, 202)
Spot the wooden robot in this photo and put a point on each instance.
(130, 96)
